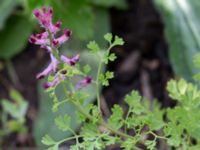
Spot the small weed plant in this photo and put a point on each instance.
(143, 126)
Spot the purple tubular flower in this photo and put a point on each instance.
(51, 68)
(83, 83)
(62, 39)
(58, 78)
(70, 61)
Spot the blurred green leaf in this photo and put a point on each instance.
(47, 140)
(16, 109)
(182, 20)
(63, 123)
(14, 37)
(6, 8)
(121, 4)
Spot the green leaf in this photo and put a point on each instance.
(110, 140)
(18, 109)
(181, 18)
(155, 117)
(104, 78)
(116, 119)
(63, 123)
(93, 46)
(150, 144)
(6, 8)
(118, 41)
(55, 147)
(129, 144)
(112, 57)
(108, 37)
(16, 96)
(47, 140)
(109, 75)
(134, 102)
(134, 96)
(86, 69)
(14, 37)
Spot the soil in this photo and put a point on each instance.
(142, 64)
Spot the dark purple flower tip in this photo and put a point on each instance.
(44, 10)
(83, 83)
(64, 71)
(67, 32)
(55, 42)
(46, 85)
(88, 79)
(72, 63)
(32, 40)
(40, 76)
(39, 36)
(50, 10)
(57, 25)
(37, 13)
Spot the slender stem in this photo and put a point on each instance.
(75, 135)
(97, 86)
(156, 136)
(70, 138)
(115, 131)
(127, 115)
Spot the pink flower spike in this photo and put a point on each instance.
(83, 83)
(44, 17)
(62, 39)
(70, 61)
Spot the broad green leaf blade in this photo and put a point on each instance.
(14, 37)
(6, 8)
(182, 20)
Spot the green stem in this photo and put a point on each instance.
(156, 136)
(97, 86)
(67, 139)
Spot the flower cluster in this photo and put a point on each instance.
(51, 43)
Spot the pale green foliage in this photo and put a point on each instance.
(47, 140)
(104, 78)
(93, 46)
(13, 114)
(63, 123)
(184, 117)
(116, 119)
